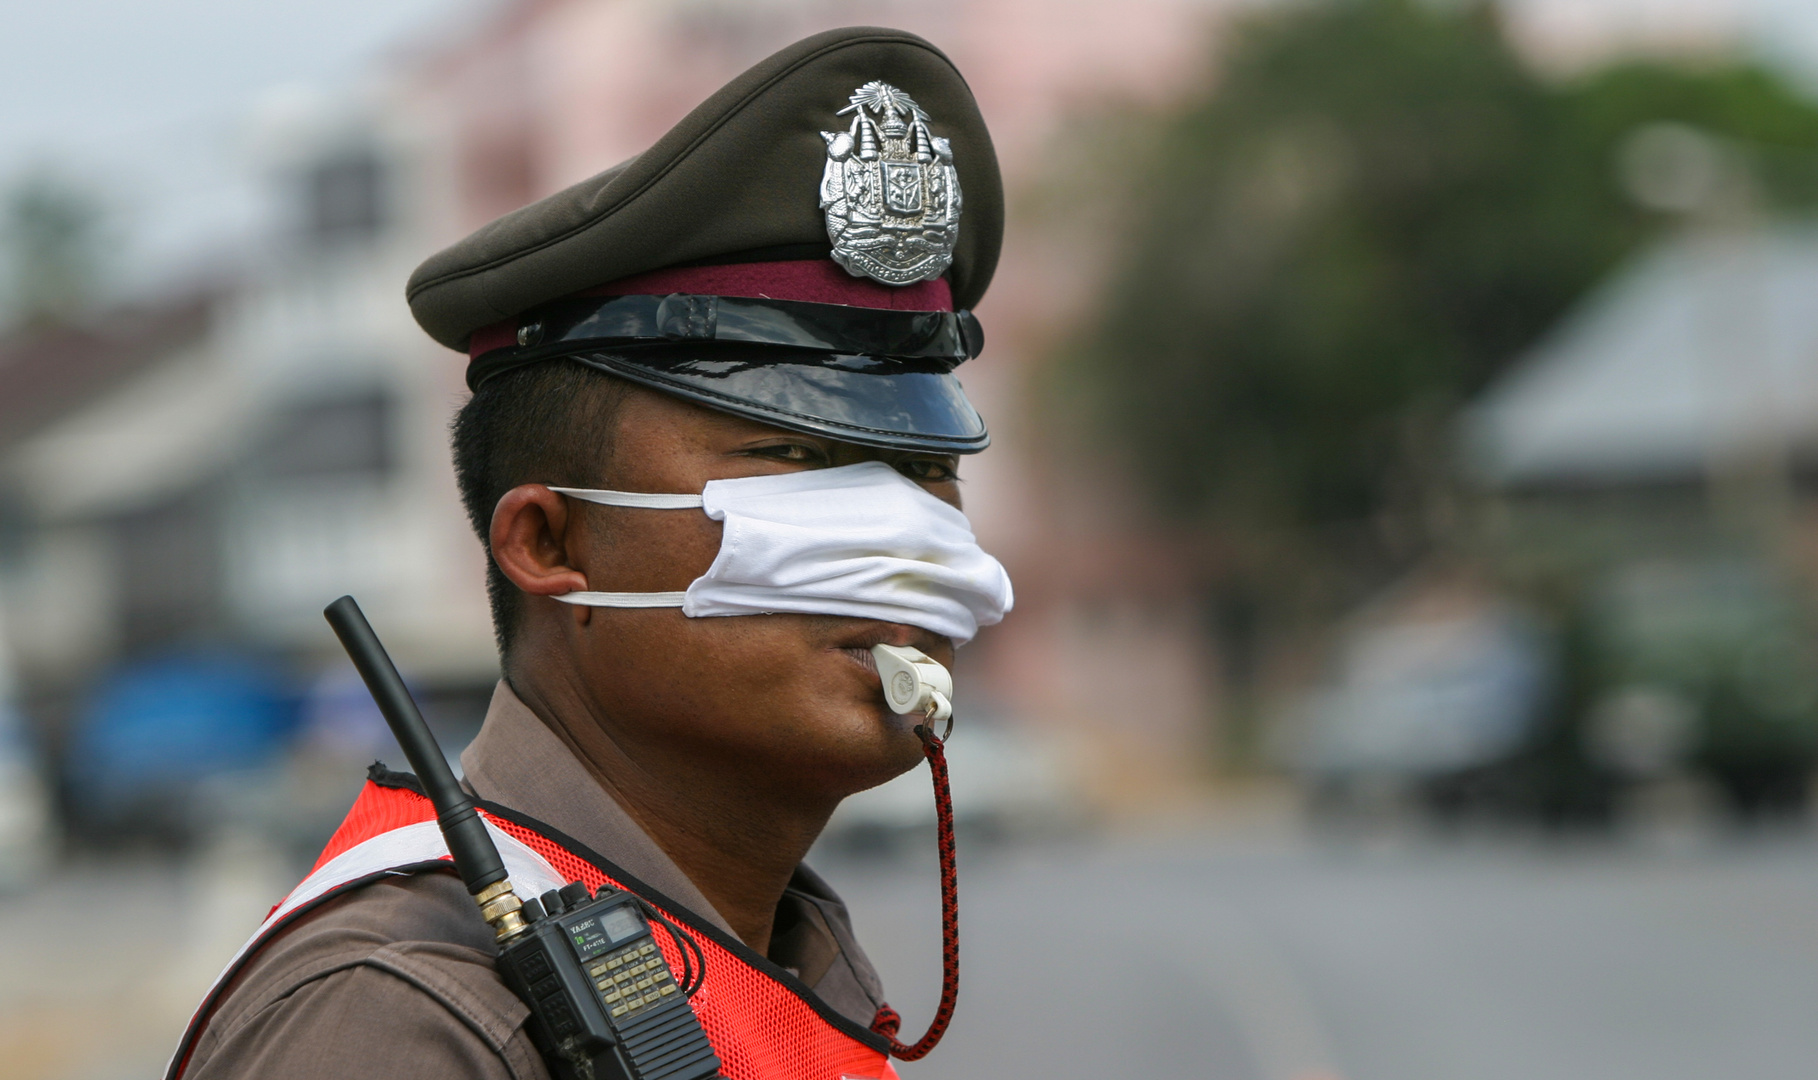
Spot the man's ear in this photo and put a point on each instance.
(530, 541)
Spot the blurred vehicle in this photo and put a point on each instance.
(150, 754)
(1421, 695)
(1658, 671)
(1006, 783)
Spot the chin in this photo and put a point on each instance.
(859, 749)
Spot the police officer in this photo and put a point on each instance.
(712, 450)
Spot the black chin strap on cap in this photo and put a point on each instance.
(871, 376)
(937, 340)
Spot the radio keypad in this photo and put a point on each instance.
(631, 979)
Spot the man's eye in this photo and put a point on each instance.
(798, 452)
(928, 471)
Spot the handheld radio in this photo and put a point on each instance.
(604, 1004)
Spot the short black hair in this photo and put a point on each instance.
(548, 423)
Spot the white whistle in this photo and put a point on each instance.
(914, 682)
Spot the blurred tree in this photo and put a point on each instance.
(51, 236)
(1372, 211)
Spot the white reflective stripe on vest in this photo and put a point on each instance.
(530, 873)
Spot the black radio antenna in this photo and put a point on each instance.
(476, 858)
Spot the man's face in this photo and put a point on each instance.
(785, 700)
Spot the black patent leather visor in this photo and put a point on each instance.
(861, 375)
(870, 400)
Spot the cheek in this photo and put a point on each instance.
(757, 689)
(727, 672)
(652, 550)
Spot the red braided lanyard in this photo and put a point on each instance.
(888, 1022)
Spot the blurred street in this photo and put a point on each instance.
(1265, 956)
(1249, 952)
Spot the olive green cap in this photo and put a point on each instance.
(738, 180)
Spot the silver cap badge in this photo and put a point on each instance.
(890, 191)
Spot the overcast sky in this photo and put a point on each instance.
(149, 100)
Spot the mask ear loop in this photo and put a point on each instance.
(887, 1022)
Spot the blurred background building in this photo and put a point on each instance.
(1407, 408)
(194, 471)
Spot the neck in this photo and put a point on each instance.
(729, 831)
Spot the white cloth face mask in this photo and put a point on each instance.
(861, 540)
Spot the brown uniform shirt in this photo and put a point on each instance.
(395, 979)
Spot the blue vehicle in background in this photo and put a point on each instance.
(157, 730)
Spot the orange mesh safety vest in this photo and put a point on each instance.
(763, 1023)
